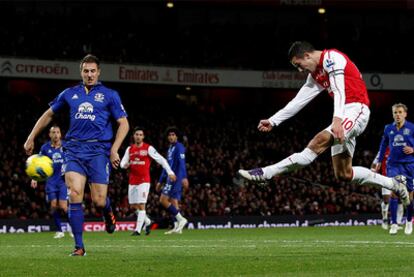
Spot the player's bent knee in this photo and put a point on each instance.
(99, 202)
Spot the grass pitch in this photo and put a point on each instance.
(330, 251)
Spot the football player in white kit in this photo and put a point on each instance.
(332, 71)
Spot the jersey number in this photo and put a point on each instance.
(347, 124)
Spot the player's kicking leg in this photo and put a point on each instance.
(291, 163)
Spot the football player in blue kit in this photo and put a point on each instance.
(399, 137)
(90, 149)
(172, 190)
(56, 191)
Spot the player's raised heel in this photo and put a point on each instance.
(255, 174)
(400, 188)
(110, 222)
(79, 251)
(181, 225)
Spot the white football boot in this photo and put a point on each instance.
(393, 229)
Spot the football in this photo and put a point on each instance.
(39, 167)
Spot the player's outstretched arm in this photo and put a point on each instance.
(41, 123)
(265, 125)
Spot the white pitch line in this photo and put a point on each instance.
(249, 244)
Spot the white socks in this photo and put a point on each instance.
(179, 217)
(364, 176)
(384, 211)
(293, 162)
(141, 216)
(400, 213)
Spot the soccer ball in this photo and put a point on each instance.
(39, 167)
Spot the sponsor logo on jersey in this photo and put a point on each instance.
(406, 131)
(99, 97)
(143, 152)
(399, 141)
(85, 111)
(57, 158)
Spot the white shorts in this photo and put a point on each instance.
(356, 117)
(386, 191)
(138, 194)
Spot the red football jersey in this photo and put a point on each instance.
(355, 89)
(140, 162)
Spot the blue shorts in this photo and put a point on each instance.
(90, 160)
(406, 169)
(173, 190)
(59, 192)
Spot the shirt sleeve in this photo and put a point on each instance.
(181, 161)
(42, 150)
(383, 145)
(163, 176)
(116, 107)
(307, 92)
(334, 64)
(59, 102)
(125, 158)
(160, 160)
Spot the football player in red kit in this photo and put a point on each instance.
(138, 159)
(332, 71)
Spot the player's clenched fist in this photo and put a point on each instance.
(265, 125)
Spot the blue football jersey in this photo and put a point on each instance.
(176, 160)
(397, 140)
(90, 113)
(57, 155)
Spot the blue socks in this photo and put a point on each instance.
(172, 210)
(107, 209)
(76, 220)
(393, 210)
(410, 211)
(57, 219)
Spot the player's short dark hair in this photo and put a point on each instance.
(89, 59)
(138, 128)
(172, 129)
(299, 48)
(400, 105)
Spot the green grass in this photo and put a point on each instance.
(332, 251)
